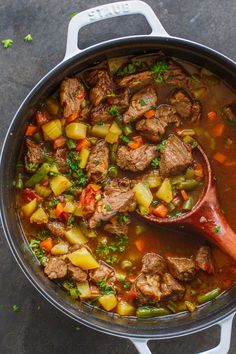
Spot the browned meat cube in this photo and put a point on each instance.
(153, 263)
(72, 94)
(118, 197)
(77, 273)
(147, 288)
(140, 103)
(154, 128)
(175, 157)
(100, 114)
(181, 268)
(115, 228)
(171, 289)
(101, 86)
(34, 155)
(135, 80)
(60, 157)
(120, 100)
(57, 228)
(97, 166)
(55, 268)
(103, 272)
(204, 259)
(229, 112)
(185, 106)
(175, 75)
(135, 159)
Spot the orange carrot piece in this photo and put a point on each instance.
(59, 142)
(198, 170)
(149, 114)
(47, 244)
(30, 130)
(218, 130)
(219, 157)
(160, 211)
(59, 209)
(230, 164)
(82, 143)
(95, 187)
(212, 116)
(139, 244)
(136, 142)
(72, 117)
(184, 194)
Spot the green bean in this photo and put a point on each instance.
(113, 171)
(127, 129)
(176, 180)
(126, 264)
(189, 140)
(118, 120)
(146, 311)
(171, 207)
(188, 204)
(37, 137)
(188, 185)
(208, 296)
(39, 175)
(172, 306)
(19, 183)
(70, 143)
(113, 150)
(189, 174)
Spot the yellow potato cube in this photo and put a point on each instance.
(59, 184)
(108, 302)
(29, 208)
(165, 191)
(75, 236)
(39, 217)
(125, 309)
(52, 130)
(143, 195)
(60, 248)
(84, 155)
(84, 289)
(83, 258)
(76, 130)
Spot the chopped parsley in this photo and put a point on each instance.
(38, 251)
(114, 111)
(161, 146)
(128, 69)
(126, 284)
(32, 166)
(72, 288)
(106, 289)
(158, 70)
(155, 162)
(108, 207)
(124, 138)
(7, 43)
(78, 174)
(106, 250)
(71, 220)
(174, 214)
(217, 229)
(53, 203)
(15, 308)
(96, 162)
(43, 234)
(28, 38)
(123, 219)
(142, 102)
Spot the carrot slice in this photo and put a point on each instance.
(72, 117)
(219, 157)
(212, 116)
(59, 142)
(230, 163)
(139, 244)
(149, 114)
(136, 142)
(184, 194)
(218, 130)
(47, 244)
(30, 130)
(59, 209)
(95, 187)
(161, 211)
(82, 143)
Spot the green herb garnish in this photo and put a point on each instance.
(161, 146)
(114, 111)
(106, 289)
(108, 207)
(15, 308)
(142, 102)
(217, 229)
(53, 203)
(124, 138)
(78, 174)
(123, 219)
(38, 251)
(155, 162)
(7, 43)
(28, 38)
(158, 70)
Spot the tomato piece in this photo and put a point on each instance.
(41, 117)
(29, 194)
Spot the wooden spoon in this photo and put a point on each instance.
(206, 217)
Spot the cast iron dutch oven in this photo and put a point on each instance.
(220, 311)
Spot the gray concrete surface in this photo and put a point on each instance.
(38, 327)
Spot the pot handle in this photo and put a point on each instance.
(99, 13)
(222, 348)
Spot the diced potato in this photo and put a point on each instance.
(52, 130)
(75, 236)
(59, 184)
(115, 128)
(108, 302)
(60, 248)
(76, 130)
(143, 195)
(83, 258)
(100, 130)
(84, 155)
(42, 191)
(84, 289)
(199, 92)
(52, 106)
(125, 309)
(165, 191)
(78, 210)
(53, 169)
(29, 208)
(153, 181)
(69, 207)
(39, 217)
(112, 138)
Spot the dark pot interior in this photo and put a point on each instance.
(164, 327)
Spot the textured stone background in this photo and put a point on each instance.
(38, 327)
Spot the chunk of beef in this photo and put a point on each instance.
(60, 158)
(103, 272)
(118, 197)
(153, 263)
(34, 155)
(57, 228)
(229, 112)
(55, 268)
(97, 166)
(140, 103)
(154, 128)
(147, 288)
(171, 289)
(204, 259)
(76, 273)
(181, 268)
(176, 74)
(135, 80)
(175, 157)
(120, 100)
(100, 114)
(72, 94)
(135, 159)
(185, 107)
(114, 227)
(102, 86)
